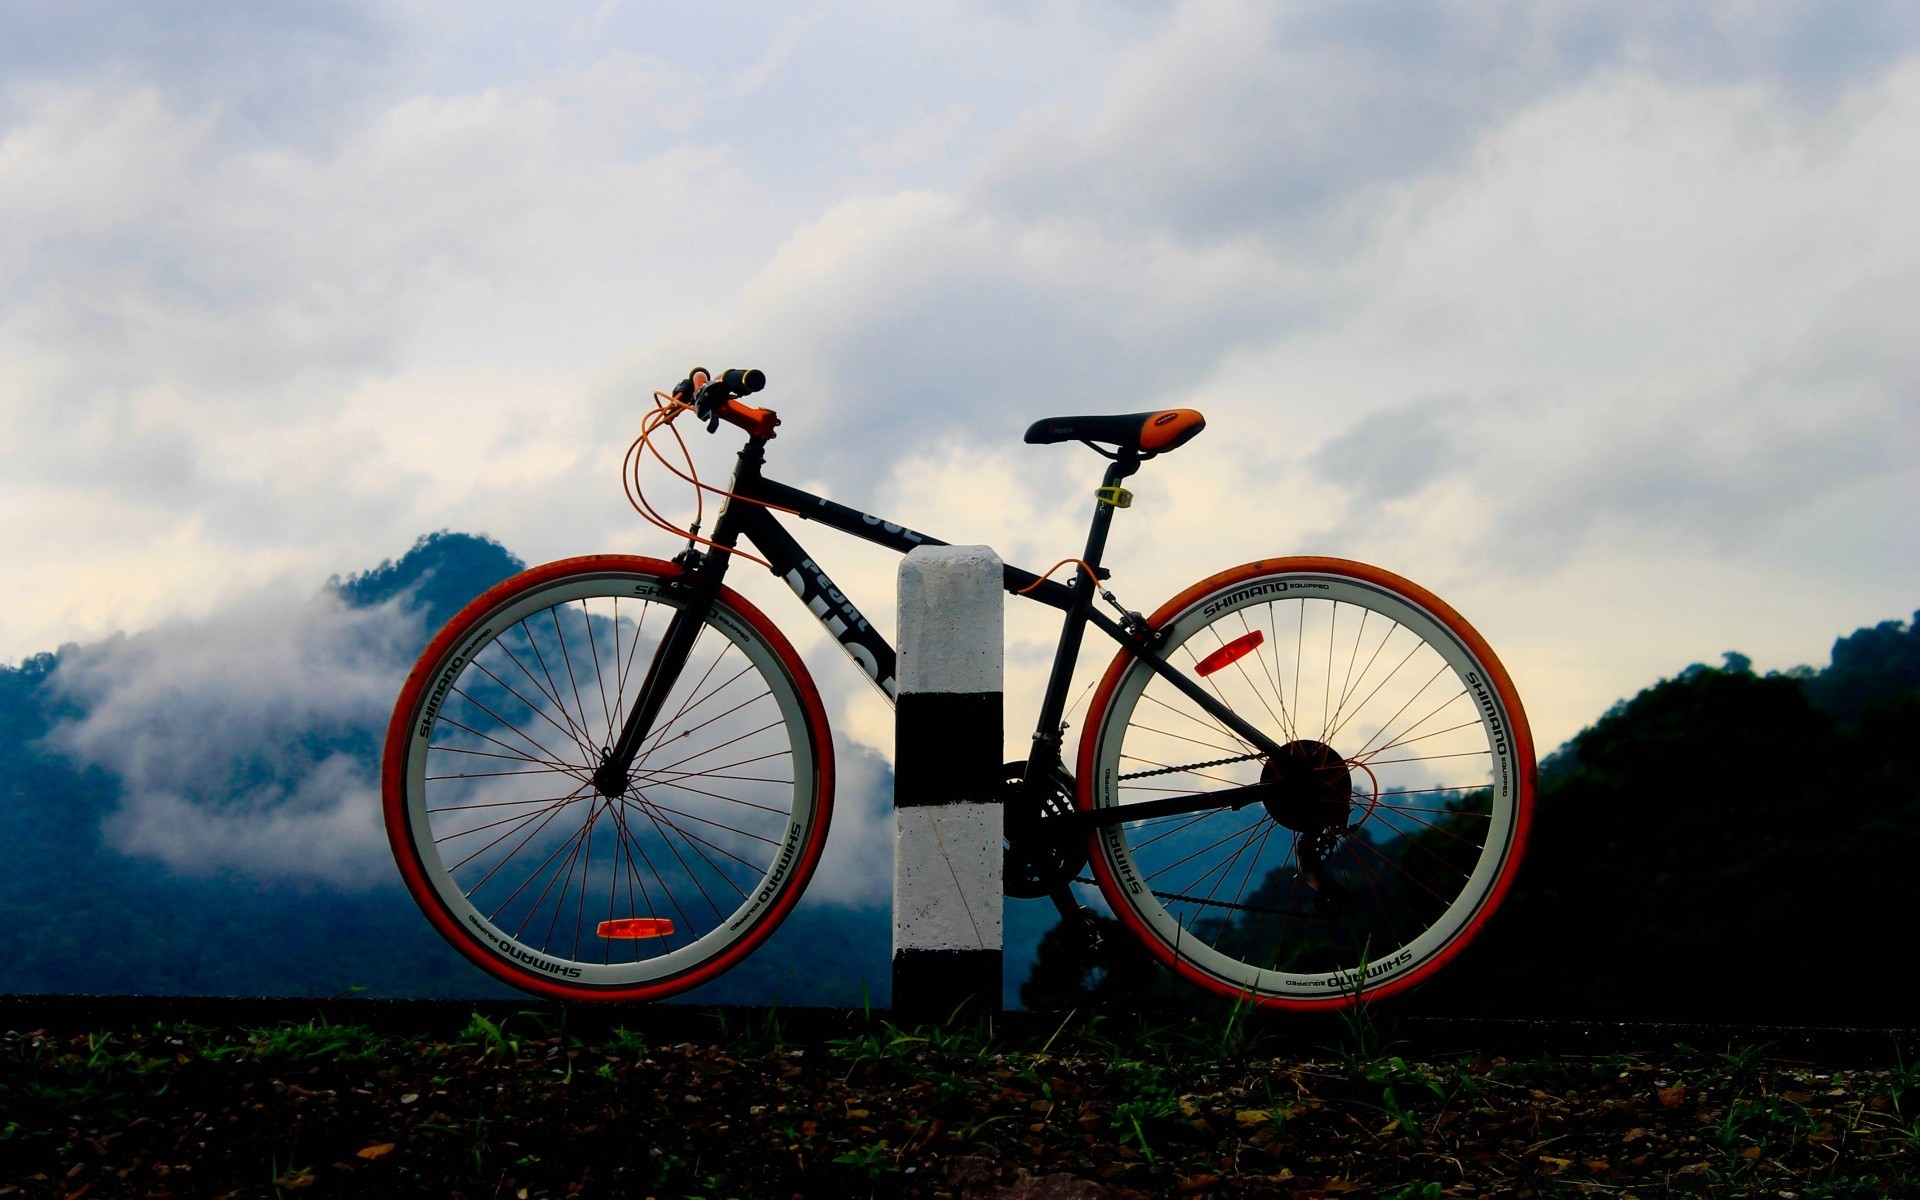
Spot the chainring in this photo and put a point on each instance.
(1043, 851)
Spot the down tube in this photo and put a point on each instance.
(869, 651)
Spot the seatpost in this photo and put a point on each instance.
(1117, 470)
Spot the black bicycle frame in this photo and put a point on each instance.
(752, 518)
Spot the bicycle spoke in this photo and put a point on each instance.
(1438, 671)
(746, 833)
(504, 723)
(512, 751)
(1404, 740)
(552, 812)
(599, 678)
(518, 818)
(659, 876)
(681, 787)
(662, 728)
(570, 735)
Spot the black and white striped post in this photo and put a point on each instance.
(947, 885)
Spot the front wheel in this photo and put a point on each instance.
(520, 861)
(1393, 819)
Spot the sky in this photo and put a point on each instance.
(1596, 319)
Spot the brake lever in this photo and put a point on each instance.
(706, 409)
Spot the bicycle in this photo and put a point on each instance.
(1300, 781)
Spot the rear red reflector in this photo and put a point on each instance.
(636, 927)
(1237, 648)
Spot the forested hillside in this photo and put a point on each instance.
(1725, 844)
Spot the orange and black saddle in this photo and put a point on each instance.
(1140, 434)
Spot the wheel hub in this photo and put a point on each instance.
(1314, 787)
(609, 780)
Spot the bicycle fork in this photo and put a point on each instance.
(701, 583)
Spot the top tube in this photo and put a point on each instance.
(890, 534)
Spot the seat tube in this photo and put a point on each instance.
(1053, 707)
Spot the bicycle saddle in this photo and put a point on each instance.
(1136, 433)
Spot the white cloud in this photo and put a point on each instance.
(246, 743)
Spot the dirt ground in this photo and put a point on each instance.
(516, 1107)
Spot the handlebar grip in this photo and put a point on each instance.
(743, 383)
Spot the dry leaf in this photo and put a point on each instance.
(379, 1151)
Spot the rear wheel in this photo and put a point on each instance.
(524, 865)
(1399, 805)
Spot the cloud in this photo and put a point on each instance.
(857, 866)
(246, 743)
(275, 71)
(1653, 259)
(1664, 311)
(1239, 118)
(1397, 452)
(268, 354)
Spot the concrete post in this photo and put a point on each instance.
(947, 886)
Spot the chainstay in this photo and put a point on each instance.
(1218, 762)
(1206, 903)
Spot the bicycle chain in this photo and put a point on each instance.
(1218, 762)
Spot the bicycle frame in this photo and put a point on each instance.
(749, 517)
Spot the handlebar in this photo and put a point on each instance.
(717, 400)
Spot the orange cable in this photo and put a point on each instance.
(667, 409)
(1091, 574)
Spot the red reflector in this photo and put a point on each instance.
(636, 927)
(1237, 648)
